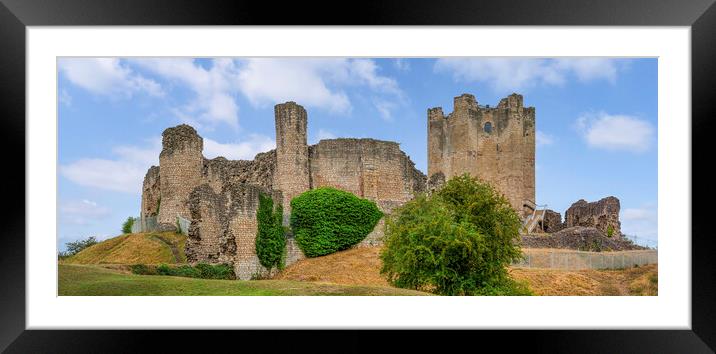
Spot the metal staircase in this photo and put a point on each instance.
(534, 219)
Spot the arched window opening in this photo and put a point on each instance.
(488, 127)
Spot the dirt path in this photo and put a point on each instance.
(172, 247)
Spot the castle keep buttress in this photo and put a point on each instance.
(495, 144)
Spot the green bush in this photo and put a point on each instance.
(143, 269)
(201, 270)
(610, 231)
(164, 269)
(327, 220)
(270, 238)
(127, 225)
(457, 241)
(186, 271)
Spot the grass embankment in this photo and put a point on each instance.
(362, 266)
(351, 272)
(90, 280)
(145, 248)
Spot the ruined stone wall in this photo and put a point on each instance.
(371, 169)
(600, 214)
(552, 221)
(494, 144)
(291, 175)
(151, 193)
(259, 171)
(224, 226)
(180, 163)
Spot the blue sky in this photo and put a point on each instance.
(596, 121)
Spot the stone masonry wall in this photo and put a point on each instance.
(151, 192)
(259, 171)
(372, 169)
(552, 221)
(494, 144)
(180, 163)
(600, 214)
(224, 226)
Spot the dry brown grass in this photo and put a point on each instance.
(361, 266)
(357, 266)
(144, 248)
(630, 281)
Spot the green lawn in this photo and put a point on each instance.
(83, 280)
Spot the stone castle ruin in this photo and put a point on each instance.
(602, 215)
(220, 197)
(495, 144)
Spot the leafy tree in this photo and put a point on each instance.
(76, 246)
(127, 225)
(326, 220)
(457, 241)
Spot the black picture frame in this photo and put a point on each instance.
(16, 15)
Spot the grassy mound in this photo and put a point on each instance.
(145, 248)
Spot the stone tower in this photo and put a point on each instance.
(495, 144)
(292, 174)
(180, 163)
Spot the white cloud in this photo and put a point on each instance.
(82, 212)
(385, 109)
(318, 83)
(107, 77)
(615, 132)
(271, 81)
(123, 174)
(517, 74)
(243, 150)
(542, 139)
(312, 82)
(214, 88)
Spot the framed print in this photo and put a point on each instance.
(473, 151)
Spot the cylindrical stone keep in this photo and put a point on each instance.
(180, 163)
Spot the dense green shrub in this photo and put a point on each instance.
(610, 231)
(326, 220)
(201, 270)
(127, 225)
(458, 241)
(164, 269)
(270, 238)
(142, 269)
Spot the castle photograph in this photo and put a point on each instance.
(357, 176)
